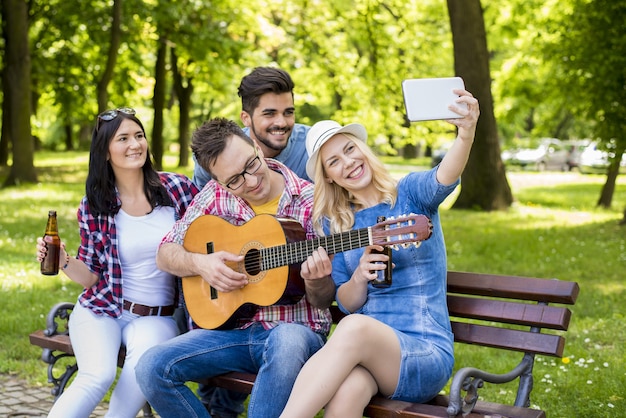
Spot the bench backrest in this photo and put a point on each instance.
(507, 312)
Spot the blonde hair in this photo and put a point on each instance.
(335, 203)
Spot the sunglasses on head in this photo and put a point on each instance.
(109, 115)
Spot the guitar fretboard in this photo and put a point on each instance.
(297, 252)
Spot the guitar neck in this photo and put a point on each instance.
(297, 252)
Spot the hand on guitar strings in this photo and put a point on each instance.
(217, 273)
(316, 266)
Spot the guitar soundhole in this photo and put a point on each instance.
(252, 262)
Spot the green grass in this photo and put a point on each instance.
(554, 230)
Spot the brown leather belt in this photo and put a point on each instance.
(143, 310)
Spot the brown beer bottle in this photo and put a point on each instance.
(50, 264)
(384, 276)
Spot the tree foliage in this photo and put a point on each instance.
(556, 68)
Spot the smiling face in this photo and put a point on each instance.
(237, 157)
(345, 164)
(128, 149)
(271, 122)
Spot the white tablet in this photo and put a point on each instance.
(428, 98)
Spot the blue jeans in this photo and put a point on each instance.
(276, 355)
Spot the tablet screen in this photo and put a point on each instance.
(429, 98)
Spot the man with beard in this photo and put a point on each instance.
(269, 115)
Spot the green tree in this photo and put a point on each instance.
(590, 51)
(484, 180)
(17, 93)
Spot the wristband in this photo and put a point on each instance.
(67, 261)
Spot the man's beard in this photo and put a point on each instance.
(263, 139)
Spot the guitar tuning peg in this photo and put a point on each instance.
(395, 247)
(406, 245)
(417, 244)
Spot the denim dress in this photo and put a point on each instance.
(415, 304)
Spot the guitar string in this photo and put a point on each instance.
(291, 253)
(294, 252)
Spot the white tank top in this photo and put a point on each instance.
(139, 238)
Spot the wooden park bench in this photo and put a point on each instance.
(504, 312)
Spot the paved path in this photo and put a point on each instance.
(18, 399)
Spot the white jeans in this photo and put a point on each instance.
(96, 341)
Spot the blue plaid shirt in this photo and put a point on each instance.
(99, 247)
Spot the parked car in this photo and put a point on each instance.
(439, 153)
(594, 160)
(551, 154)
(576, 148)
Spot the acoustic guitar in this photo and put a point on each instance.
(273, 250)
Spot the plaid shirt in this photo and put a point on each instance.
(99, 247)
(296, 202)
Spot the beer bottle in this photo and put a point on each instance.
(384, 276)
(50, 263)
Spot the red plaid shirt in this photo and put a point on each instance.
(296, 202)
(99, 247)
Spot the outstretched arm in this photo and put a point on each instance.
(454, 161)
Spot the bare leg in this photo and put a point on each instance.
(353, 395)
(358, 340)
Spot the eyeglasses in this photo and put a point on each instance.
(252, 167)
(111, 114)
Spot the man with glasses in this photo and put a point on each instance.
(273, 341)
(269, 118)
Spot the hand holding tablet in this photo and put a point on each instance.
(429, 98)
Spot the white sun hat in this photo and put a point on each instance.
(324, 130)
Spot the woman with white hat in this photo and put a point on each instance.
(396, 341)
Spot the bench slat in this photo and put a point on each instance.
(541, 316)
(63, 343)
(55, 342)
(383, 408)
(513, 287)
(510, 339)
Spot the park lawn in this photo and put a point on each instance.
(554, 230)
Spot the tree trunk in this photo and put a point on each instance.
(17, 94)
(158, 101)
(4, 135)
(608, 189)
(69, 137)
(184, 102)
(5, 139)
(484, 183)
(107, 74)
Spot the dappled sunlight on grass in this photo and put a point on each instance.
(613, 288)
(542, 217)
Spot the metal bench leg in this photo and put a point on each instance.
(59, 382)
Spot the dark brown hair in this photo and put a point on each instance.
(260, 81)
(210, 139)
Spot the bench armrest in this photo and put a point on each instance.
(470, 379)
(60, 311)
